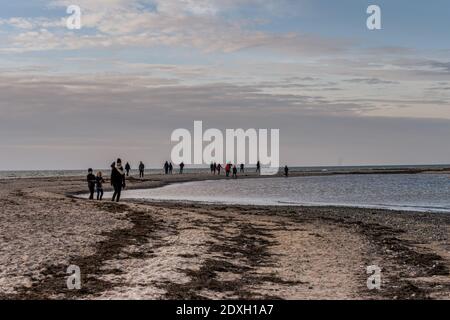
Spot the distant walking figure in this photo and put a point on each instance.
(91, 183)
(242, 168)
(170, 168)
(181, 167)
(215, 168)
(127, 169)
(141, 170)
(286, 171)
(234, 172)
(227, 169)
(219, 167)
(212, 167)
(258, 167)
(117, 179)
(99, 181)
(166, 168)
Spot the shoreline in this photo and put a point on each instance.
(165, 250)
(313, 171)
(204, 177)
(406, 210)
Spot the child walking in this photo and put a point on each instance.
(99, 184)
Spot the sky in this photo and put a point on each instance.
(340, 94)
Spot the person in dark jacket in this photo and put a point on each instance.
(170, 168)
(117, 179)
(234, 172)
(166, 168)
(127, 169)
(99, 181)
(181, 167)
(286, 171)
(141, 170)
(91, 183)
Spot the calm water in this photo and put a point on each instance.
(70, 173)
(74, 173)
(414, 192)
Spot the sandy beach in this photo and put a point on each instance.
(168, 250)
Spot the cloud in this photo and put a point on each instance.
(196, 24)
(445, 66)
(76, 120)
(390, 50)
(78, 94)
(20, 23)
(424, 65)
(371, 81)
(440, 86)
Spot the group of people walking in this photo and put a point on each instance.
(168, 167)
(141, 169)
(119, 174)
(118, 181)
(216, 168)
(95, 183)
(231, 169)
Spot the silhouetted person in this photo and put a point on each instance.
(170, 168)
(117, 179)
(215, 168)
(258, 167)
(219, 167)
(127, 169)
(212, 167)
(166, 168)
(99, 181)
(181, 167)
(234, 172)
(286, 171)
(242, 168)
(91, 183)
(141, 170)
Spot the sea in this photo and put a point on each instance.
(424, 192)
(403, 192)
(70, 173)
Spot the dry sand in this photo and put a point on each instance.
(138, 250)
